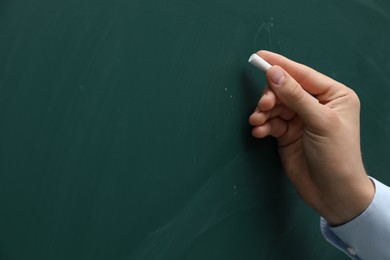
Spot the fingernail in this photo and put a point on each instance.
(277, 76)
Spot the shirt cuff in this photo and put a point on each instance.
(368, 235)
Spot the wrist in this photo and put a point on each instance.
(342, 207)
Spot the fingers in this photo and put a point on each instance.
(260, 117)
(275, 127)
(270, 116)
(268, 100)
(312, 81)
(293, 96)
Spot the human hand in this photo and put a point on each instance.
(318, 138)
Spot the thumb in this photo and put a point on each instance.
(293, 96)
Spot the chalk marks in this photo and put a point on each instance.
(263, 37)
(229, 94)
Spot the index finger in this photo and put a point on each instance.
(311, 80)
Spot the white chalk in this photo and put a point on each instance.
(259, 63)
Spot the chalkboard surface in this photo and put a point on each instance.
(123, 124)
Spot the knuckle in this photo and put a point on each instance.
(251, 120)
(296, 92)
(257, 119)
(353, 98)
(259, 132)
(259, 103)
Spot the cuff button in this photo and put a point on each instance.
(351, 251)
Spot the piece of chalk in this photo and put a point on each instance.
(259, 63)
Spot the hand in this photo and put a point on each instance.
(316, 123)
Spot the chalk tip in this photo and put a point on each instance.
(252, 57)
(259, 62)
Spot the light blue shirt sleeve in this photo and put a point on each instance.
(368, 235)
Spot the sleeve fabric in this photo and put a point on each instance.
(368, 235)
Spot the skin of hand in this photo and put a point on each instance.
(316, 121)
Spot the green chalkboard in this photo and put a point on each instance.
(123, 125)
